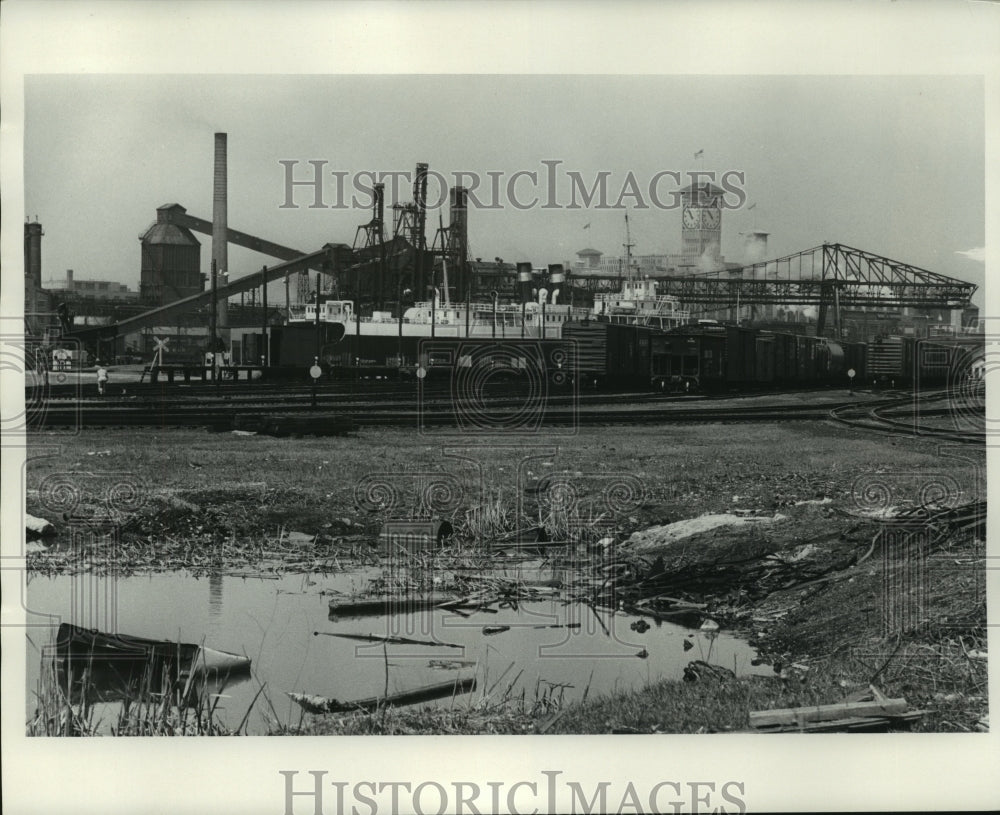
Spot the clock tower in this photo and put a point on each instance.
(701, 220)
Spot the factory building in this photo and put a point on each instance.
(74, 287)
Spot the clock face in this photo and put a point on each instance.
(711, 218)
(692, 217)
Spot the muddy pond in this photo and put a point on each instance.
(542, 646)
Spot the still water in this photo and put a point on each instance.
(283, 626)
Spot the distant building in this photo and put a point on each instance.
(91, 289)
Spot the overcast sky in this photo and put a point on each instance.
(893, 165)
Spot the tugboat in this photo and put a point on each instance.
(638, 302)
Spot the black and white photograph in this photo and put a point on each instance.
(539, 409)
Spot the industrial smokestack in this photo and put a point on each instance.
(524, 279)
(220, 224)
(33, 253)
(459, 237)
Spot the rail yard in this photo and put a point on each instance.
(754, 489)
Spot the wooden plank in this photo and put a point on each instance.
(819, 713)
(851, 724)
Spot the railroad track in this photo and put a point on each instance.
(881, 416)
(499, 414)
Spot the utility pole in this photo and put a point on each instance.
(263, 297)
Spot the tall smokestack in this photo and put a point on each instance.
(556, 279)
(524, 281)
(33, 253)
(459, 235)
(220, 225)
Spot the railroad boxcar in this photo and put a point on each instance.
(766, 349)
(890, 361)
(295, 345)
(741, 356)
(685, 360)
(610, 354)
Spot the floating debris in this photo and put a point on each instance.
(386, 640)
(426, 693)
(490, 630)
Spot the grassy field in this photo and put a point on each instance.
(203, 500)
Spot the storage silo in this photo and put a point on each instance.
(171, 261)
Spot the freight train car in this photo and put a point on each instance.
(294, 349)
(709, 358)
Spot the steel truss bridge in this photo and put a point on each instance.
(832, 276)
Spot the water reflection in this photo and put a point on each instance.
(542, 643)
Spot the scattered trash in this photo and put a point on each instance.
(643, 654)
(399, 536)
(450, 664)
(658, 536)
(37, 527)
(640, 626)
(983, 725)
(710, 626)
(490, 630)
(688, 645)
(300, 538)
(977, 655)
(244, 432)
(866, 710)
(699, 669)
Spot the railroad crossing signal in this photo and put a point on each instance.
(159, 347)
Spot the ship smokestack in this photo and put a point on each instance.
(220, 225)
(524, 281)
(556, 279)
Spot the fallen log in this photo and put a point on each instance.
(427, 693)
(382, 605)
(386, 640)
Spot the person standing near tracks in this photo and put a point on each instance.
(102, 379)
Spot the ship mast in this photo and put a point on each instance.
(628, 250)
